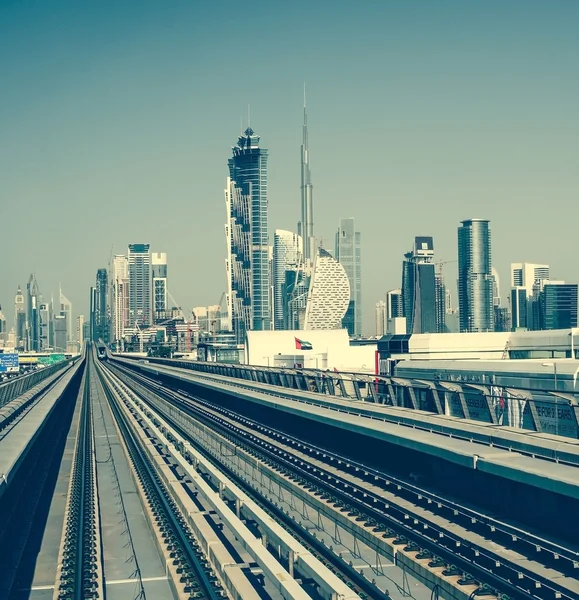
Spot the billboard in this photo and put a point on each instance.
(9, 363)
(50, 359)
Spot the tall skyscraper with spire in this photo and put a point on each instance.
(247, 236)
(19, 319)
(306, 225)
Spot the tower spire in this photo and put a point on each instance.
(307, 222)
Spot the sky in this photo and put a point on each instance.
(117, 119)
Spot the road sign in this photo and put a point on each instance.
(9, 363)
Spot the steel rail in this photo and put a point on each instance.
(159, 497)
(477, 562)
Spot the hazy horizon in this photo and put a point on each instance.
(118, 120)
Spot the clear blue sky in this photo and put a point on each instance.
(117, 119)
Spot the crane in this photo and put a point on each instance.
(140, 335)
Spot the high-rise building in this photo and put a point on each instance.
(101, 311)
(441, 302)
(60, 333)
(519, 308)
(475, 280)
(93, 332)
(558, 305)
(295, 296)
(140, 304)
(247, 207)
(80, 332)
(66, 309)
(160, 298)
(119, 297)
(287, 248)
(328, 293)
(32, 319)
(348, 254)
(526, 274)
(527, 280)
(19, 319)
(3, 332)
(419, 287)
(238, 261)
(394, 308)
(380, 315)
(306, 225)
(46, 326)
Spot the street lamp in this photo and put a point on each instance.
(554, 365)
(572, 345)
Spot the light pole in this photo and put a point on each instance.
(572, 345)
(554, 365)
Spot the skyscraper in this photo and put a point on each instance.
(419, 287)
(80, 332)
(306, 225)
(527, 274)
(60, 333)
(247, 235)
(46, 327)
(19, 319)
(558, 305)
(527, 280)
(140, 305)
(475, 280)
(380, 315)
(65, 308)
(101, 309)
(159, 271)
(32, 319)
(328, 293)
(394, 307)
(348, 253)
(119, 297)
(287, 248)
(3, 332)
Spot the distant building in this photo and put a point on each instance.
(120, 297)
(101, 308)
(419, 287)
(80, 332)
(306, 225)
(475, 280)
(32, 317)
(380, 317)
(394, 308)
(46, 326)
(348, 254)
(440, 301)
(526, 274)
(328, 294)
(247, 236)
(527, 280)
(287, 256)
(65, 308)
(520, 318)
(60, 333)
(140, 304)
(558, 305)
(19, 319)
(160, 298)
(3, 331)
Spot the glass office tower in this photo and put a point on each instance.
(248, 171)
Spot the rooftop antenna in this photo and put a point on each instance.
(249, 116)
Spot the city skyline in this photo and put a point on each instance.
(491, 148)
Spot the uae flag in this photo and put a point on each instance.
(302, 345)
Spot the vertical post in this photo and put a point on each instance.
(556, 399)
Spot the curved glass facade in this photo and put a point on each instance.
(475, 280)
